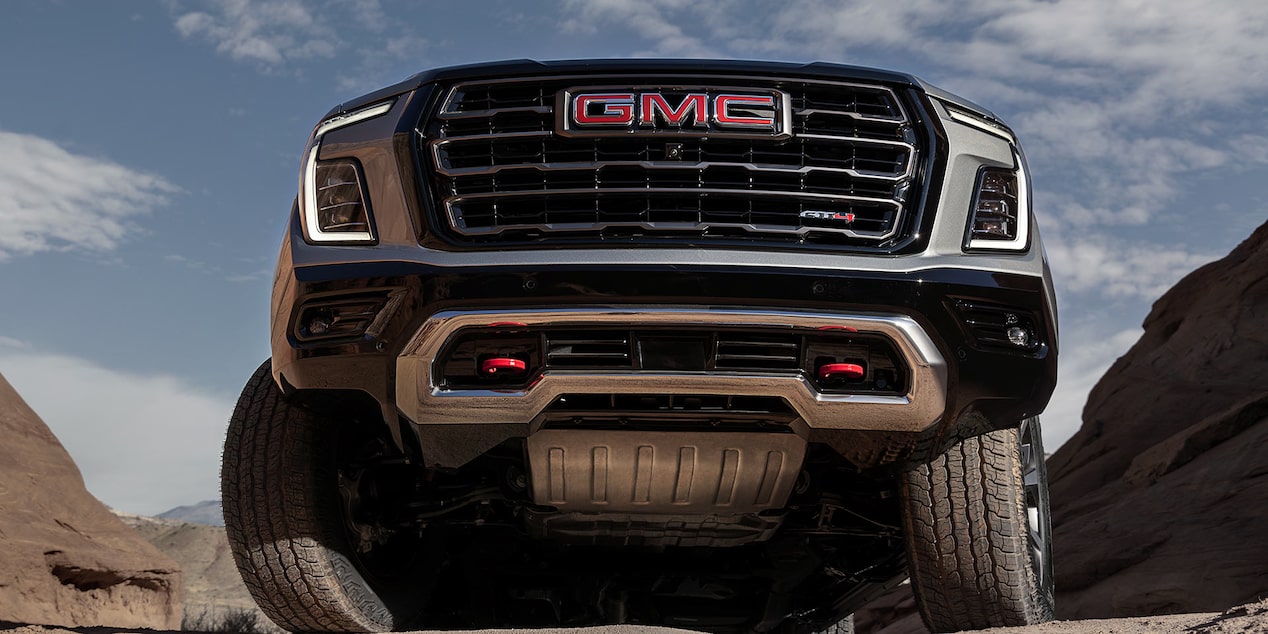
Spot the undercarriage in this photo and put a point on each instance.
(486, 548)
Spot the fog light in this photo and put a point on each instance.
(319, 326)
(336, 317)
(1019, 337)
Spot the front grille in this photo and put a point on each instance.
(501, 174)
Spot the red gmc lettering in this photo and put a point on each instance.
(694, 104)
(638, 111)
(617, 109)
(722, 110)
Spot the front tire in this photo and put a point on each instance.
(285, 522)
(979, 533)
(844, 626)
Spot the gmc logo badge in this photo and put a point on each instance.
(736, 112)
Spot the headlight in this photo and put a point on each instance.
(1000, 217)
(340, 200)
(335, 207)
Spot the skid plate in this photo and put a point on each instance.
(668, 473)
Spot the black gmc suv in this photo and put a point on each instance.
(729, 346)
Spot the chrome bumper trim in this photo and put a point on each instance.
(423, 402)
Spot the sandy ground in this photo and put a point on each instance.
(1248, 619)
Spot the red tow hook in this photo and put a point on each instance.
(502, 365)
(847, 371)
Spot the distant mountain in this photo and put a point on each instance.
(205, 512)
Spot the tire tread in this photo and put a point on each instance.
(969, 558)
(278, 517)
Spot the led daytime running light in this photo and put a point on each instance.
(309, 185)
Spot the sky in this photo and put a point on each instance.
(149, 153)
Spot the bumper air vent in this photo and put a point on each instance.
(758, 352)
(669, 412)
(589, 350)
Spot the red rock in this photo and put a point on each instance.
(65, 559)
(1160, 499)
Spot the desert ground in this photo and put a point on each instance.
(1248, 619)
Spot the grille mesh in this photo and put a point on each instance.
(501, 174)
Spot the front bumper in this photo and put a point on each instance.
(957, 375)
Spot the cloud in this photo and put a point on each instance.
(10, 342)
(270, 32)
(280, 35)
(1085, 356)
(51, 199)
(144, 442)
(368, 13)
(1116, 268)
(235, 274)
(258, 275)
(1168, 56)
(387, 55)
(647, 18)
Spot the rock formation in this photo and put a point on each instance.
(65, 559)
(1160, 501)
(213, 586)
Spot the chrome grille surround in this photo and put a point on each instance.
(502, 172)
(422, 399)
